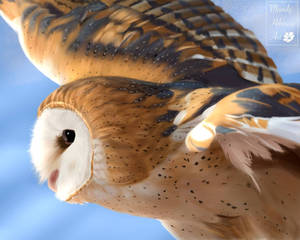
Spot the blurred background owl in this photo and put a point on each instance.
(17, 136)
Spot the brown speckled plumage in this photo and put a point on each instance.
(202, 193)
(183, 125)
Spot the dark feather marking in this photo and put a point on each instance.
(154, 20)
(184, 85)
(184, 4)
(200, 30)
(168, 117)
(81, 11)
(250, 40)
(159, 22)
(161, 91)
(207, 19)
(164, 94)
(66, 28)
(227, 217)
(225, 76)
(154, 48)
(231, 54)
(178, 15)
(169, 131)
(260, 76)
(188, 24)
(97, 48)
(53, 10)
(166, 10)
(110, 50)
(150, 88)
(264, 61)
(138, 47)
(153, 4)
(173, 28)
(221, 30)
(45, 22)
(76, 17)
(89, 28)
(275, 108)
(273, 76)
(220, 43)
(33, 19)
(192, 67)
(133, 28)
(27, 12)
(249, 56)
(236, 43)
(218, 95)
(169, 55)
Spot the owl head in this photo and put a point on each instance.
(94, 130)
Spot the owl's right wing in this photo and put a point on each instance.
(251, 125)
(152, 40)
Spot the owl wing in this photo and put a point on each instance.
(152, 40)
(253, 122)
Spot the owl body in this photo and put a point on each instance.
(168, 109)
(196, 195)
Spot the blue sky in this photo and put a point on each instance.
(29, 210)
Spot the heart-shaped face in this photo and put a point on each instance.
(61, 151)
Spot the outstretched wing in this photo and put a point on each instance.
(152, 40)
(254, 122)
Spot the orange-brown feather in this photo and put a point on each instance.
(65, 53)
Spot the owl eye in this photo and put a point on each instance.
(66, 139)
(68, 136)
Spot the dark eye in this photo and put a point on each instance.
(68, 136)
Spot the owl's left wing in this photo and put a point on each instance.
(151, 40)
(251, 123)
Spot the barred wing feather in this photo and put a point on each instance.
(152, 40)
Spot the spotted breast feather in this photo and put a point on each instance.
(153, 40)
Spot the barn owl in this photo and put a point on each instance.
(167, 109)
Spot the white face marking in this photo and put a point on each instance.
(74, 162)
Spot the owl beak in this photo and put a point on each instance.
(52, 180)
